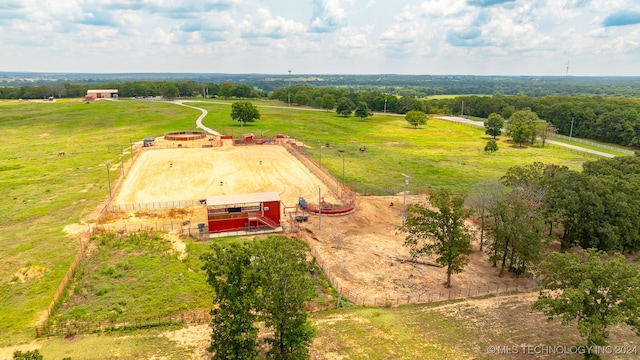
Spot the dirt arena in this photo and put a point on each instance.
(195, 173)
(363, 251)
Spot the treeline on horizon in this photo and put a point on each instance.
(611, 119)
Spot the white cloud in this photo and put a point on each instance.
(335, 35)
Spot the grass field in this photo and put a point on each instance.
(448, 330)
(441, 153)
(44, 191)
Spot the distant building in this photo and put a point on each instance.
(102, 94)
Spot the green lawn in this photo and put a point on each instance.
(44, 191)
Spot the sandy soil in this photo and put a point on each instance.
(195, 173)
(364, 251)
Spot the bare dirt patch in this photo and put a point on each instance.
(27, 273)
(194, 337)
(364, 251)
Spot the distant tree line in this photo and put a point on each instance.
(419, 86)
(609, 119)
(169, 89)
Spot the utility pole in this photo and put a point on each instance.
(109, 181)
(289, 95)
(122, 159)
(319, 209)
(571, 131)
(404, 203)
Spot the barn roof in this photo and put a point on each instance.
(242, 198)
(102, 91)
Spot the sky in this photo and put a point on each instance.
(438, 37)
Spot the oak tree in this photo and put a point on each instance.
(441, 231)
(493, 125)
(591, 290)
(416, 118)
(244, 111)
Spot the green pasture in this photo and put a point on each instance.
(44, 192)
(441, 153)
(605, 148)
(136, 278)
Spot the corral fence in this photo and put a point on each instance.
(258, 141)
(86, 326)
(209, 142)
(339, 188)
(157, 205)
(62, 287)
(185, 228)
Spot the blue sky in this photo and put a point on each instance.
(467, 37)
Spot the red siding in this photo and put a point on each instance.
(274, 210)
(227, 225)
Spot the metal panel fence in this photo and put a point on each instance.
(157, 205)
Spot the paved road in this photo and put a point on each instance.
(199, 119)
(574, 147)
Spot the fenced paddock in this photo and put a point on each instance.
(383, 300)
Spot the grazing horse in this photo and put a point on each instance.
(61, 153)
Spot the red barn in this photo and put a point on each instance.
(244, 212)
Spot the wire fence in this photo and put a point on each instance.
(87, 326)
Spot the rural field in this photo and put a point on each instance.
(51, 198)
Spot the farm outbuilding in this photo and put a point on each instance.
(102, 94)
(244, 212)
